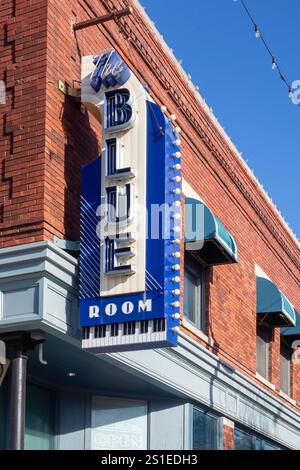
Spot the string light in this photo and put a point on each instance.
(259, 35)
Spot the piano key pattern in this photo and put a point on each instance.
(124, 336)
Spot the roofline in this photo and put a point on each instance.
(209, 111)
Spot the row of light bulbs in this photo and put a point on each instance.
(176, 216)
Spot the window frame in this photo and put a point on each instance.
(197, 271)
(288, 391)
(219, 425)
(267, 343)
(259, 443)
(117, 400)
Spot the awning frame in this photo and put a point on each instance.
(222, 252)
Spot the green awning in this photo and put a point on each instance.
(273, 308)
(205, 235)
(292, 333)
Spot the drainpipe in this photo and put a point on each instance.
(18, 345)
(17, 399)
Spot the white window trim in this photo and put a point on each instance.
(287, 398)
(265, 381)
(193, 329)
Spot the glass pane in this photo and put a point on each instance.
(285, 367)
(119, 424)
(243, 440)
(258, 444)
(262, 351)
(39, 422)
(205, 431)
(190, 297)
(268, 446)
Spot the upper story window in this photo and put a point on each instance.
(194, 292)
(263, 338)
(285, 367)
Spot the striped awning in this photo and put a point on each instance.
(205, 235)
(272, 307)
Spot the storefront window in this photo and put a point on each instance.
(39, 420)
(119, 424)
(205, 430)
(244, 440)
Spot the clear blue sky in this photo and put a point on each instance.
(218, 48)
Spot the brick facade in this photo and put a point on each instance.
(45, 138)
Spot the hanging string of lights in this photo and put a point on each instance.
(259, 35)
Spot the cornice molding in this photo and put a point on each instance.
(146, 55)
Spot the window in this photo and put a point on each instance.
(285, 367)
(206, 430)
(263, 338)
(194, 292)
(245, 440)
(119, 424)
(40, 418)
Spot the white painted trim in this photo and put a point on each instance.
(287, 398)
(188, 191)
(193, 329)
(228, 423)
(265, 381)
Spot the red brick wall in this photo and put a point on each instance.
(228, 438)
(23, 62)
(46, 138)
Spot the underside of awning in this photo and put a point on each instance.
(292, 333)
(205, 235)
(272, 307)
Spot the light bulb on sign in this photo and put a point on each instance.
(176, 292)
(176, 254)
(177, 142)
(176, 279)
(176, 329)
(176, 316)
(176, 267)
(177, 179)
(177, 167)
(177, 191)
(177, 155)
(176, 304)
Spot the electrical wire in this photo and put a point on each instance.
(259, 35)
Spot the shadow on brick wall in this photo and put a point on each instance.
(82, 137)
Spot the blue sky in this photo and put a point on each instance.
(218, 48)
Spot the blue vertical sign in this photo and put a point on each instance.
(148, 317)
